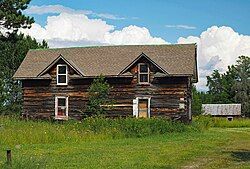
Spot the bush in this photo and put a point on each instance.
(98, 96)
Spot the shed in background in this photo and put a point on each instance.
(225, 110)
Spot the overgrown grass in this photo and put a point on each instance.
(209, 121)
(236, 122)
(14, 131)
(123, 143)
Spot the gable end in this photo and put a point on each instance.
(138, 58)
(71, 64)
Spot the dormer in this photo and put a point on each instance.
(143, 68)
(61, 70)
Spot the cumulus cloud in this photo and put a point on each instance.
(218, 47)
(70, 29)
(57, 9)
(132, 35)
(180, 26)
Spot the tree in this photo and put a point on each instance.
(13, 48)
(233, 86)
(11, 17)
(196, 102)
(242, 84)
(220, 87)
(98, 96)
(12, 52)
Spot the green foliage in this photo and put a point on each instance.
(12, 52)
(233, 86)
(220, 86)
(11, 17)
(13, 48)
(242, 84)
(196, 102)
(98, 96)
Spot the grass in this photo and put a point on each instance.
(78, 145)
(236, 122)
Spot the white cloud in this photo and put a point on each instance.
(57, 9)
(132, 35)
(180, 26)
(218, 47)
(69, 29)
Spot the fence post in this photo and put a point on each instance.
(8, 157)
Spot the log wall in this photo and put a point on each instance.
(165, 92)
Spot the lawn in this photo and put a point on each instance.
(43, 148)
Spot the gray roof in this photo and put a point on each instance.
(176, 60)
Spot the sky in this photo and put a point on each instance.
(220, 28)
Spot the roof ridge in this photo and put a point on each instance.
(77, 47)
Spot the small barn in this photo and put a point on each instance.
(146, 80)
(222, 110)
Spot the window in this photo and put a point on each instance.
(143, 73)
(62, 75)
(61, 107)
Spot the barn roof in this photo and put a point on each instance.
(176, 60)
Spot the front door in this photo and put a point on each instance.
(143, 108)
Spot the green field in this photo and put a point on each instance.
(46, 145)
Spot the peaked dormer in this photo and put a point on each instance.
(61, 69)
(144, 69)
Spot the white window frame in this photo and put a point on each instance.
(143, 73)
(136, 106)
(56, 107)
(57, 74)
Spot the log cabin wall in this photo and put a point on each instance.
(165, 92)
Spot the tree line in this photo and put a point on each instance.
(233, 86)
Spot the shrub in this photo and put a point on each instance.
(98, 96)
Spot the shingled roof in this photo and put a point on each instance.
(176, 60)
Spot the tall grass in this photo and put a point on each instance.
(15, 132)
(236, 122)
(209, 121)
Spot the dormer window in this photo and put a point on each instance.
(143, 73)
(62, 75)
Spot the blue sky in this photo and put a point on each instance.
(220, 28)
(155, 15)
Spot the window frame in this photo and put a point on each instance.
(67, 107)
(143, 73)
(136, 105)
(60, 74)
